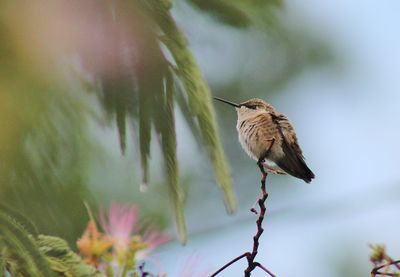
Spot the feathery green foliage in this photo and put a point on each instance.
(166, 128)
(45, 161)
(145, 108)
(151, 84)
(199, 98)
(43, 117)
(22, 254)
(189, 117)
(63, 260)
(238, 13)
(21, 219)
(22, 248)
(225, 11)
(120, 117)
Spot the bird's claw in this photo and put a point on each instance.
(276, 171)
(271, 170)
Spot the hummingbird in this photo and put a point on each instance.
(268, 136)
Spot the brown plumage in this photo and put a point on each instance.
(266, 134)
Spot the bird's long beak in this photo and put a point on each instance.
(227, 102)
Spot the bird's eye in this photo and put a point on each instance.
(253, 107)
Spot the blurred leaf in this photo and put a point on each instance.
(62, 260)
(145, 109)
(45, 160)
(199, 98)
(44, 113)
(150, 77)
(150, 85)
(119, 100)
(25, 255)
(30, 261)
(190, 118)
(21, 219)
(239, 13)
(166, 128)
(146, 94)
(224, 11)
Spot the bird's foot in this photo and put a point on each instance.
(276, 171)
(272, 170)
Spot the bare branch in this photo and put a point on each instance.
(231, 262)
(251, 264)
(263, 268)
(375, 270)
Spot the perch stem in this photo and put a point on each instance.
(251, 264)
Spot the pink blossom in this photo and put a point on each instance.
(152, 239)
(121, 225)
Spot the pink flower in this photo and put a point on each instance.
(119, 225)
(152, 239)
(123, 229)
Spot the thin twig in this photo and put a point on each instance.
(261, 202)
(375, 270)
(391, 262)
(386, 274)
(251, 264)
(263, 268)
(231, 262)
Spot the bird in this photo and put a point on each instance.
(268, 136)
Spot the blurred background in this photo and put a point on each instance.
(331, 66)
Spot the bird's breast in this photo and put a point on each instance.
(256, 135)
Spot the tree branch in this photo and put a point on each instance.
(375, 270)
(263, 268)
(251, 264)
(229, 263)
(261, 202)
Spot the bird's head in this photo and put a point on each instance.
(256, 104)
(249, 107)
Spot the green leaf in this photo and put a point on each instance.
(21, 219)
(183, 104)
(199, 98)
(64, 261)
(144, 136)
(224, 11)
(150, 85)
(166, 128)
(116, 98)
(2, 263)
(120, 118)
(30, 261)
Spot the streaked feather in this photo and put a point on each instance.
(293, 160)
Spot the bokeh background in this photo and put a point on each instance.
(331, 66)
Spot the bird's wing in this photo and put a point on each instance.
(293, 161)
(288, 134)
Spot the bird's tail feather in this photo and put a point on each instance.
(297, 169)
